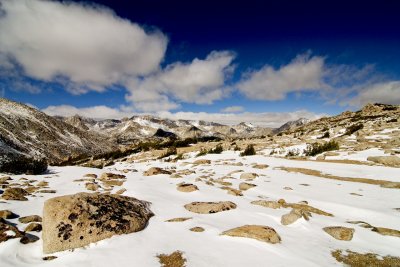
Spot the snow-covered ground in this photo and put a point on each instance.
(304, 243)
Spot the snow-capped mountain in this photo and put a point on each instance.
(27, 131)
(292, 124)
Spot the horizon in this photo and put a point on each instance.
(264, 63)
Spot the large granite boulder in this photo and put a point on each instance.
(74, 221)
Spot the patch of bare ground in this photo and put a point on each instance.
(283, 204)
(355, 259)
(174, 259)
(382, 183)
(379, 230)
(181, 219)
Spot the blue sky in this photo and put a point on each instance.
(260, 61)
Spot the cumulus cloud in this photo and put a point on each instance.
(95, 112)
(201, 81)
(304, 73)
(233, 109)
(384, 92)
(83, 46)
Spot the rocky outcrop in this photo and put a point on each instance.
(340, 232)
(391, 161)
(74, 221)
(258, 232)
(15, 193)
(210, 207)
(183, 187)
(155, 171)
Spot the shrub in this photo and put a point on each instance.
(179, 157)
(325, 135)
(353, 128)
(316, 148)
(22, 164)
(249, 151)
(293, 153)
(170, 151)
(236, 148)
(202, 152)
(217, 150)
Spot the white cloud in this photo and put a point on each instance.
(95, 112)
(385, 92)
(88, 46)
(233, 109)
(201, 81)
(304, 73)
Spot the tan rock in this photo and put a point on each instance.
(121, 191)
(33, 227)
(77, 220)
(15, 193)
(197, 229)
(291, 217)
(180, 219)
(111, 176)
(391, 161)
(340, 232)
(258, 232)
(187, 188)
(248, 176)
(210, 207)
(92, 186)
(246, 186)
(202, 161)
(91, 175)
(260, 166)
(6, 214)
(155, 171)
(267, 204)
(30, 218)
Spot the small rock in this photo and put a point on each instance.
(121, 191)
(26, 239)
(30, 218)
(288, 188)
(92, 186)
(111, 176)
(202, 161)
(49, 258)
(260, 166)
(246, 186)
(291, 217)
(197, 229)
(6, 214)
(267, 204)
(340, 232)
(248, 176)
(258, 232)
(42, 184)
(33, 227)
(91, 175)
(181, 219)
(8, 231)
(187, 188)
(210, 207)
(15, 193)
(46, 191)
(155, 171)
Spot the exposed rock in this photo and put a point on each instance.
(260, 166)
(197, 229)
(172, 260)
(291, 217)
(248, 176)
(202, 161)
(15, 193)
(187, 187)
(391, 161)
(246, 186)
(258, 232)
(77, 220)
(42, 184)
(49, 258)
(27, 238)
(92, 186)
(267, 204)
(210, 207)
(340, 232)
(47, 191)
(111, 176)
(30, 218)
(8, 231)
(232, 191)
(91, 175)
(303, 207)
(121, 191)
(331, 154)
(288, 188)
(379, 230)
(155, 171)
(33, 227)
(181, 219)
(6, 214)
(355, 259)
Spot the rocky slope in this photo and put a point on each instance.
(27, 131)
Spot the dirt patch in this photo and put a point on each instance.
(174, 259)
(382, 183)
(355, 259)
